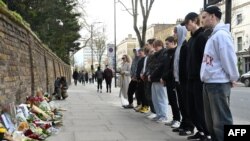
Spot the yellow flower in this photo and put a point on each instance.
(2, 130)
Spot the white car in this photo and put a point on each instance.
(245, 78)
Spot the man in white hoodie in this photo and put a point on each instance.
(218, 72)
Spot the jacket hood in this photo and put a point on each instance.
(221, 26)
(181, 34)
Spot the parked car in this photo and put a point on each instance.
(245, 78)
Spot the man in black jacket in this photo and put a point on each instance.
(196, 45)
(168, 80)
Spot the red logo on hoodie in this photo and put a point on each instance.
(208, 59)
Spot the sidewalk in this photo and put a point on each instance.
(93, 116)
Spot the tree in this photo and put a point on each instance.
(100, 47)
(44, 16)
(145, 11)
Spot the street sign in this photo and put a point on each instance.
(211, 2)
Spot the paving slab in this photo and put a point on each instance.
(92, 116)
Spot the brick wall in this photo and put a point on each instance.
(25, 63)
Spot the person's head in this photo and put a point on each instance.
(141, 52)
(170, 42)
(192, 21)
(125, 58)
(211, 16)
(158, 45)
(98, 68)
(135, 52)
(150, 42)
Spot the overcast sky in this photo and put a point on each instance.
(163, 11)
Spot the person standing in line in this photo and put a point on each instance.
(99, 77)
(124, 79)
(75, 77)
(195, 49)
(140, 84)
(219, 73)
(108, 75)
(180, 76)
(148, 67)
(159, 93)
(168, 81)
(133, 83)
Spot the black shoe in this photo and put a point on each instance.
(206, 138)
(186, 132)
(177, 129)
(196, 136)
(129, 106)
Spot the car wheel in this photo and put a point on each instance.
(247, 82)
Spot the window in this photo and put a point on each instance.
(239, 43)
(239, 19)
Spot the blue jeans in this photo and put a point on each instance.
(216, 98)
(159, 99)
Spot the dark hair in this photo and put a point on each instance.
(170, 39)
(151, 41)
(191, 16)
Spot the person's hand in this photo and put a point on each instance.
(149, 78)
(233, 84)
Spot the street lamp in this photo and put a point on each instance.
(115, 40)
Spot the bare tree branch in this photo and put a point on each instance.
(125, 7)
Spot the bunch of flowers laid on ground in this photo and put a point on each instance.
(35, 120)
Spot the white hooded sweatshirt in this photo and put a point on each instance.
(219, 64)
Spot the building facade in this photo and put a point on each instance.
(240, 28)
(126, 46)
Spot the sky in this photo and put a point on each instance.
(163, 11)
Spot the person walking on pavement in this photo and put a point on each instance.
(168, 81)
(99, 77)
(75, 76)
(195, 49)
(180, 76)
(124, 80)
(108, 75)
(219, 73)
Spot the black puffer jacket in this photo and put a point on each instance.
(158, 65)
(168, 75)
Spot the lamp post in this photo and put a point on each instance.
(115, 40)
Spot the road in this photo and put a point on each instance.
(240, 105)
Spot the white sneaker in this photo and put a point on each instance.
(176, 124)
(151, 116)
(169, 123)
(162, 120)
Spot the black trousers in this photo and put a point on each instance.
(131, 90)
(99, 84)
(172, 98)
(181, 89)
(108, 85)
(140, 92)
(148, 95)
(196, 105)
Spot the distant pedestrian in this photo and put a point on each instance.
(218, 72)
(99, 77)
(108, 75)
(75, 76)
